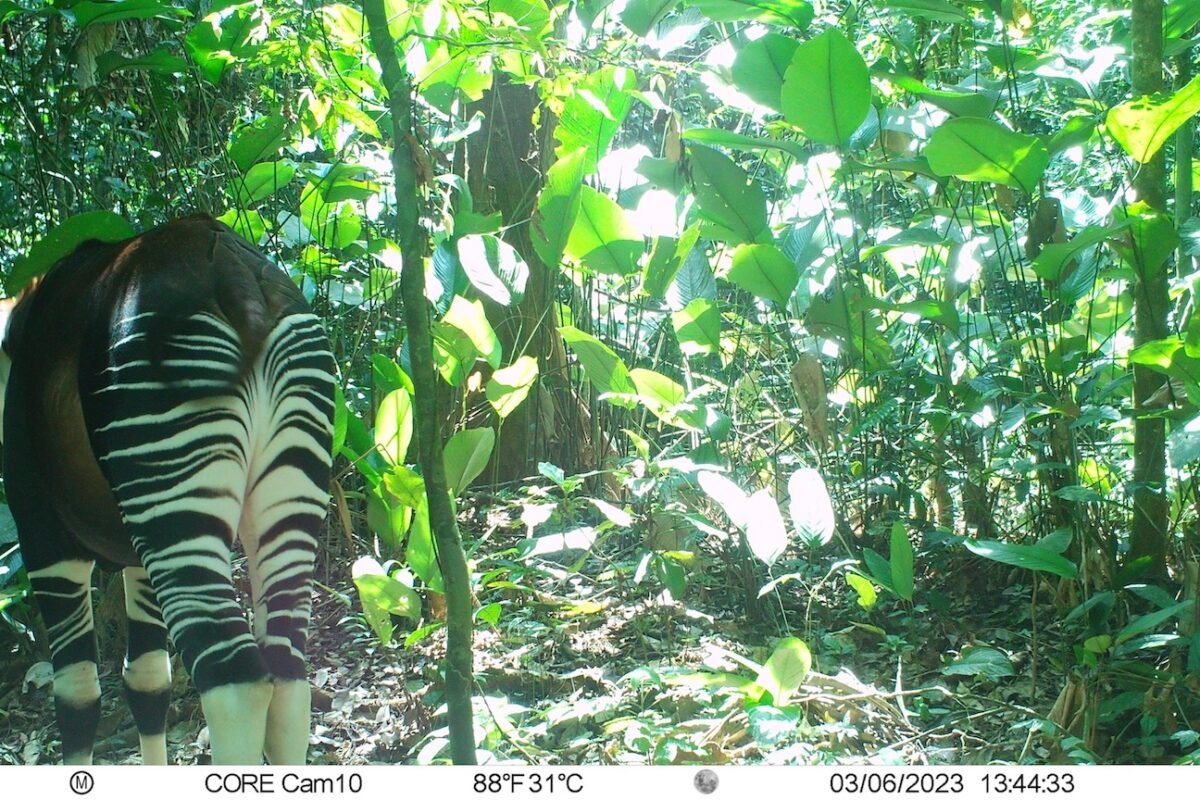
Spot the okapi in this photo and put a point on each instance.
(168, 394)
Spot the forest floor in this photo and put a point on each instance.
(591, 666)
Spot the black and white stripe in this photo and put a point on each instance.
(170, 396)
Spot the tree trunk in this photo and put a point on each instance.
(1149, 533)
(414, 243)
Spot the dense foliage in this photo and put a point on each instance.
(802, 337)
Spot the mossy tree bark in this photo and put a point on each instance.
(1149, 534)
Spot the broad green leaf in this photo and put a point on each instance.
(258, 141)
(470, 318)
(793, 13)
(662, 266)
(983, 661)
(263, 180)
(867, 596)
(454, 353)
(1143, 125)
(658, 393)
(447, 78)
(603, 239)
(764, 271)
(734, 205)
(1055, 257)
(508, 387)
(382, 595)
(394, 426)
(221, 39)
(1025, 556)
(698, 327)
(601, 365)
(785, 670)
(1152, 620)
(879, 568)
(983, 150)
(420, 554)
(739, 141)
(494, 267)
(89, 13)
(1158, 353)
(61, 241)
(827, 90)
(160, 60)
(811, 507)
(640, 16)
(591, 117)
(1150, 241)
(902, 562)
(341, 417)
(466, 455)
(958, 103)
(558, 207)
(759, 68)
(936, 10)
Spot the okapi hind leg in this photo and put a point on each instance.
(286, 500)
(63, 592)
(147, 670)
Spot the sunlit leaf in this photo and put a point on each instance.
(466, 455)
(785, 670)
(508, 387)
(62, 240)
(764, 271)
(983, 150)
(810, 507)
(1026, 556)
(827, 90)
(1143, 125)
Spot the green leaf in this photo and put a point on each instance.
(785, 670)
(735, 205)
(867, 596)
(902, 562)
(640, 16)
(469, 317)
(960, 104)
(603, 239)
(466, 455)
(394, 426)
(508, 387)
(764, 271)
(601, 365)
(662, 266)
(739, 141)
(258, 141)
(698, 327)
(558, 207)
(593, 114)
(759, 67)
(159, 60)
(420, 555)
(61, 241)
(661, 396)
(879, 568)
(1157, 354)
(793, 13)
(936, 10)
(827, 90)
(494, 267)
(1025, 556)
(1143, 125)
(263, 180)
(1055, 257)
(89, 13)
(983, 150)
(983, 661)
(381, 596)
(1150, 241)
(1152, 620)
(453, 352)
